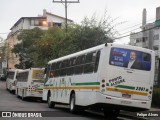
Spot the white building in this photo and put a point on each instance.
(149, 35)
(42, 21)
(55, 20)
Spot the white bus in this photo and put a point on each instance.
(110, 77)
(30, 83)
(11, 79)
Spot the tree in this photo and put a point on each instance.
(26, 46)
(90, 33)
(48, 47)
(40, 46)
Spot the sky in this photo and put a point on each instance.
(127, 13)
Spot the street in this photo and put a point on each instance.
(10, 102)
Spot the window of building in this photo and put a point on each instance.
(36, 22)
(156, 37)
(57, 24)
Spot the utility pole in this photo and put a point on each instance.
(65, 3)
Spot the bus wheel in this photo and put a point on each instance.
(72, 106)
(10, 89)
(23, 98)
(50, 103)
(111, 113)
(17, 93)
(7, 87)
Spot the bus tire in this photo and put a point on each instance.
(108, 113)
(17, 93)
(50, 103)
(72, 105)
(7, 87)
(23, 98)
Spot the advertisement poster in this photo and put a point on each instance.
(130, 59)
(38, 74)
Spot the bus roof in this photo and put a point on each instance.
(13, 70)
(98, 48)
(78, 53)
(25, 70)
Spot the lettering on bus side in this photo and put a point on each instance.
(116, 81)
(141, 88)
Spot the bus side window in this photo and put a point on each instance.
(97, 61)
(70, 71)
(25, 76)
(58, 67)
(52, 71)
(79, 64)
(68, 65)
(89, 62)
(47, 73)
(63, 69)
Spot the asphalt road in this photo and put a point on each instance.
(10, 102)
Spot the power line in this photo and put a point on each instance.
(135, 33)
(129, 31)
(65, 2)
(135, 25)
(133, 29)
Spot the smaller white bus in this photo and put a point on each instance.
(30, 83)
(11, 79)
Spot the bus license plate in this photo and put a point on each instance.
(126, 95)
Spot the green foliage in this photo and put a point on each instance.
(48, 46)
(42, 46)
(156, 97)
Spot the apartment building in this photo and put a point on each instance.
(43, 21)
(149, 37)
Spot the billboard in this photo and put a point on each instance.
(130, 59)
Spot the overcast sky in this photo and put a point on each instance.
(127, 11)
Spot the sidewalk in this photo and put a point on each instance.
(154, 109)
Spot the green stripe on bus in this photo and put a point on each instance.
(49, 85)
(107, 84)
(38, 89)
(86, 83)
(124, 86)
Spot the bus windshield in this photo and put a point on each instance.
(38, 75)
(11, 75)
(128, 58)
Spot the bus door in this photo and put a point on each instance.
(129, 74)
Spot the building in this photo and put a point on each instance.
(55, 20)
(42, 21)
(2, 60)
(149, 37)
